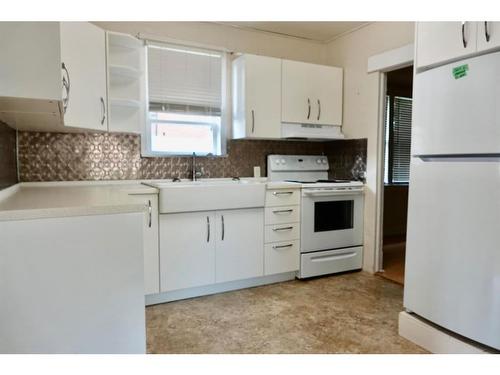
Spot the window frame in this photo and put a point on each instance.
(220, 136)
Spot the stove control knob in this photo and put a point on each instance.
(283, 161)
(324, 161)
(277, 161)
(318, 161)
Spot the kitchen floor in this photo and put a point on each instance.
(349, 313)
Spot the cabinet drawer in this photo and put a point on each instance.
(282, 197)
(281, 257)
(282, 232)
(282, 214)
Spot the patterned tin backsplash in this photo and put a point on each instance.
(115, 156)
(8, 167)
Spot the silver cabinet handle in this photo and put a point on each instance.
(280, 229)
(282, 211)
(150, 212)
(319, 109)
(253, 120)
(282, 192)
(308, 108)
(222, 220)
(486, 31)
(464, 41)
(67, 86)
(282, 246)
(208, 229)
(103, 107)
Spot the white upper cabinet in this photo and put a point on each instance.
(439, 43)
(488, 35)
(444, 41)
(83, 61)
(53, 76)
(311, 94)
(256, 97)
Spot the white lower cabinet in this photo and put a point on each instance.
(151, 245)
(282, 257)
(187, 250)
(208, 247)
(239, 243)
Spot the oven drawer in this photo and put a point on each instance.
(282, 232)
(281, 257)
(282, 214)
(282, 197)
(330, 261)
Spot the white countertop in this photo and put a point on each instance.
(59, 199)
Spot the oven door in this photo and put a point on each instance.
(331, 219)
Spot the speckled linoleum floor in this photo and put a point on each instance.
(349, 313)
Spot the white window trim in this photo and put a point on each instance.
(146, 150)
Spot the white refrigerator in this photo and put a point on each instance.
(453, 243)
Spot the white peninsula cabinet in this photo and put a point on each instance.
(311, 93)
(53, 76)
(256, 97)
(442, 42)
(207, 247)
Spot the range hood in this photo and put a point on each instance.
(311, 131)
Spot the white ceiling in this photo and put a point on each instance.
(317, 31)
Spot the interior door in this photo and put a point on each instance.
(187, 250)
(455, 111)
(488, 35)
(240, 244)
(442, 41)
(452, 274)
(83, 53)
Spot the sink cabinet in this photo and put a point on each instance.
(208, 247)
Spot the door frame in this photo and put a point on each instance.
(381, 64)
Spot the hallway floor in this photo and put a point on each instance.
(394, 260)
(349, 313)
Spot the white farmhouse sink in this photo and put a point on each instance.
(207, 195)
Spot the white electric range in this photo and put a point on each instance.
(331, 235)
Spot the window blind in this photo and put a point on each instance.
(184, 78)
(401, 139)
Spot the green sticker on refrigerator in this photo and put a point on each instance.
(460, 71)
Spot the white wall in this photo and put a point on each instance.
(224, 36)
(361, 101)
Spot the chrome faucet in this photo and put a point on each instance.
(195, 174)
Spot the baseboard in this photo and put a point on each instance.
(434, 339)
(175, 295)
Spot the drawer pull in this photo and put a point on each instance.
(280, 229)
(282, 246)
(282, 192)
(283, 211)
(327, 258)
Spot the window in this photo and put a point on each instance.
(186, 88)
(397, 139)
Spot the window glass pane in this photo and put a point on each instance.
(183, 133)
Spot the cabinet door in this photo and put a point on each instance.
(263, 96)
(83, 53)
(488, 35)
(297, 93)
(443, 41)
(151, 244)
(312, 94)
(187, 250)
(327, 95)
(240, 244)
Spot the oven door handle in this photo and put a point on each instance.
(329, 193)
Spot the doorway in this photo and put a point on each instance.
(398, 112)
